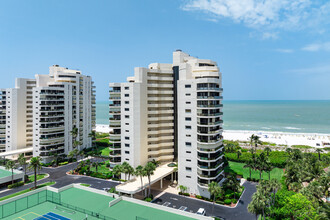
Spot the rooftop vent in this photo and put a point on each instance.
(179, 50)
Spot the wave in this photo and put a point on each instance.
(293, 128)
(267, 128)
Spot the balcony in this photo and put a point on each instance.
(210, 159)
(209, 106)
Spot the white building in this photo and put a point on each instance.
(171, 112)
(41, 112)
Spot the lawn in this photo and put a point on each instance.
(276, 173)
(25, 191)
(105, 151)
(39, 177)
(84, 184)
(102, 168)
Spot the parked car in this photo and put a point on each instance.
(20, 168)
(201, 211)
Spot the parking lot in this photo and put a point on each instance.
(192, 205)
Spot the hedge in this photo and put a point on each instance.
(14, 185)
(227, 201)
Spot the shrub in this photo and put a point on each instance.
(148, 199)
(102, 143)
(63, 163)
(107, 164)
(220, 202)
(234, 201)
(227, 201)
(199, 197)
(244, 150)
(14, 185)
(248, 179)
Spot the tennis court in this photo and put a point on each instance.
(79, 204)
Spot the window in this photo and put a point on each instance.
(126, 130)
(188, 119)
(126, 145)
(188, 144)
(188, 135)
(188, 152)
(188, 102)
(188, 110)
(189, 177)
(127, 109)
(188, 168)
(127, 102)
(126, 123)
(127, 88)
(126, 116)
(187, 86)
(126, 152)
(126, 138)
(127, 159)
(188, 160)
(126, 95)
(187, 94)
(188, 127)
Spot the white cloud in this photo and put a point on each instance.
(317, 47)
(266, 14)
(284, 50)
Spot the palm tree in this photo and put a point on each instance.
(74, 132)
(22, 162)
(267, 150)
(139, 171)
(319, 151)
(117, 170)
(258, 204)
(93, 136)
(149, 170)
(182, 188)
(10, 165)
(130, 172)
(232, 183)
(288, 150)
(250, 165)
(125, 168)
(256, 140)
(239, 153)
(268, 168)
(95, 164)
(157, 163)
(214, 190)
(35, 164)
(251, 140)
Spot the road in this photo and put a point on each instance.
(192, 205)
(59, 176)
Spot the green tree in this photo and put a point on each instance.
(182, 188)
(239, 153)
(140, 172)
(232, 183)
(258, 204)
(22, 162)
(149, 170)
(10, 165)
(117, 170)
(214, 190)
(319, 151)
(299, 207)
(267, 150)
(288, 150)
(35, 164)
(96, 165)
(250, 165)
(256, 141)
(268, 168)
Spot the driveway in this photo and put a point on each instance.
(59, 176)
(192, 205)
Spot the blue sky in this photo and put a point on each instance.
(266, 49)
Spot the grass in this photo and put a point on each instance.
(39, 177)
(84, 184)
(25, 191)
(102, 168)
(301, 146)
(276, 173)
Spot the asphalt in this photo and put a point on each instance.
(192, 205)
(59, 176)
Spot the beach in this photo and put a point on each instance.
(279, 138)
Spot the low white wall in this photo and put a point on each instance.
(23, 195)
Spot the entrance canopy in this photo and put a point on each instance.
(134, 186)
(14, 152)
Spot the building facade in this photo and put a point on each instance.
(41, 112)
(171, 112)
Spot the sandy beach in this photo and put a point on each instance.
(280, 138)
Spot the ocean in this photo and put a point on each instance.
(282, 116)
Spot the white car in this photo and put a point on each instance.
(20, 168)
(201, 211)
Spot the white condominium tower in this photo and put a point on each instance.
(171, 112)
(40, 113)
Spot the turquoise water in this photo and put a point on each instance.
(285, 116)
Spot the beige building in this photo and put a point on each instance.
(171, 112)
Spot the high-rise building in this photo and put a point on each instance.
(171, 112)
(41, 112)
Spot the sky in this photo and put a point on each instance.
(266, 49)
